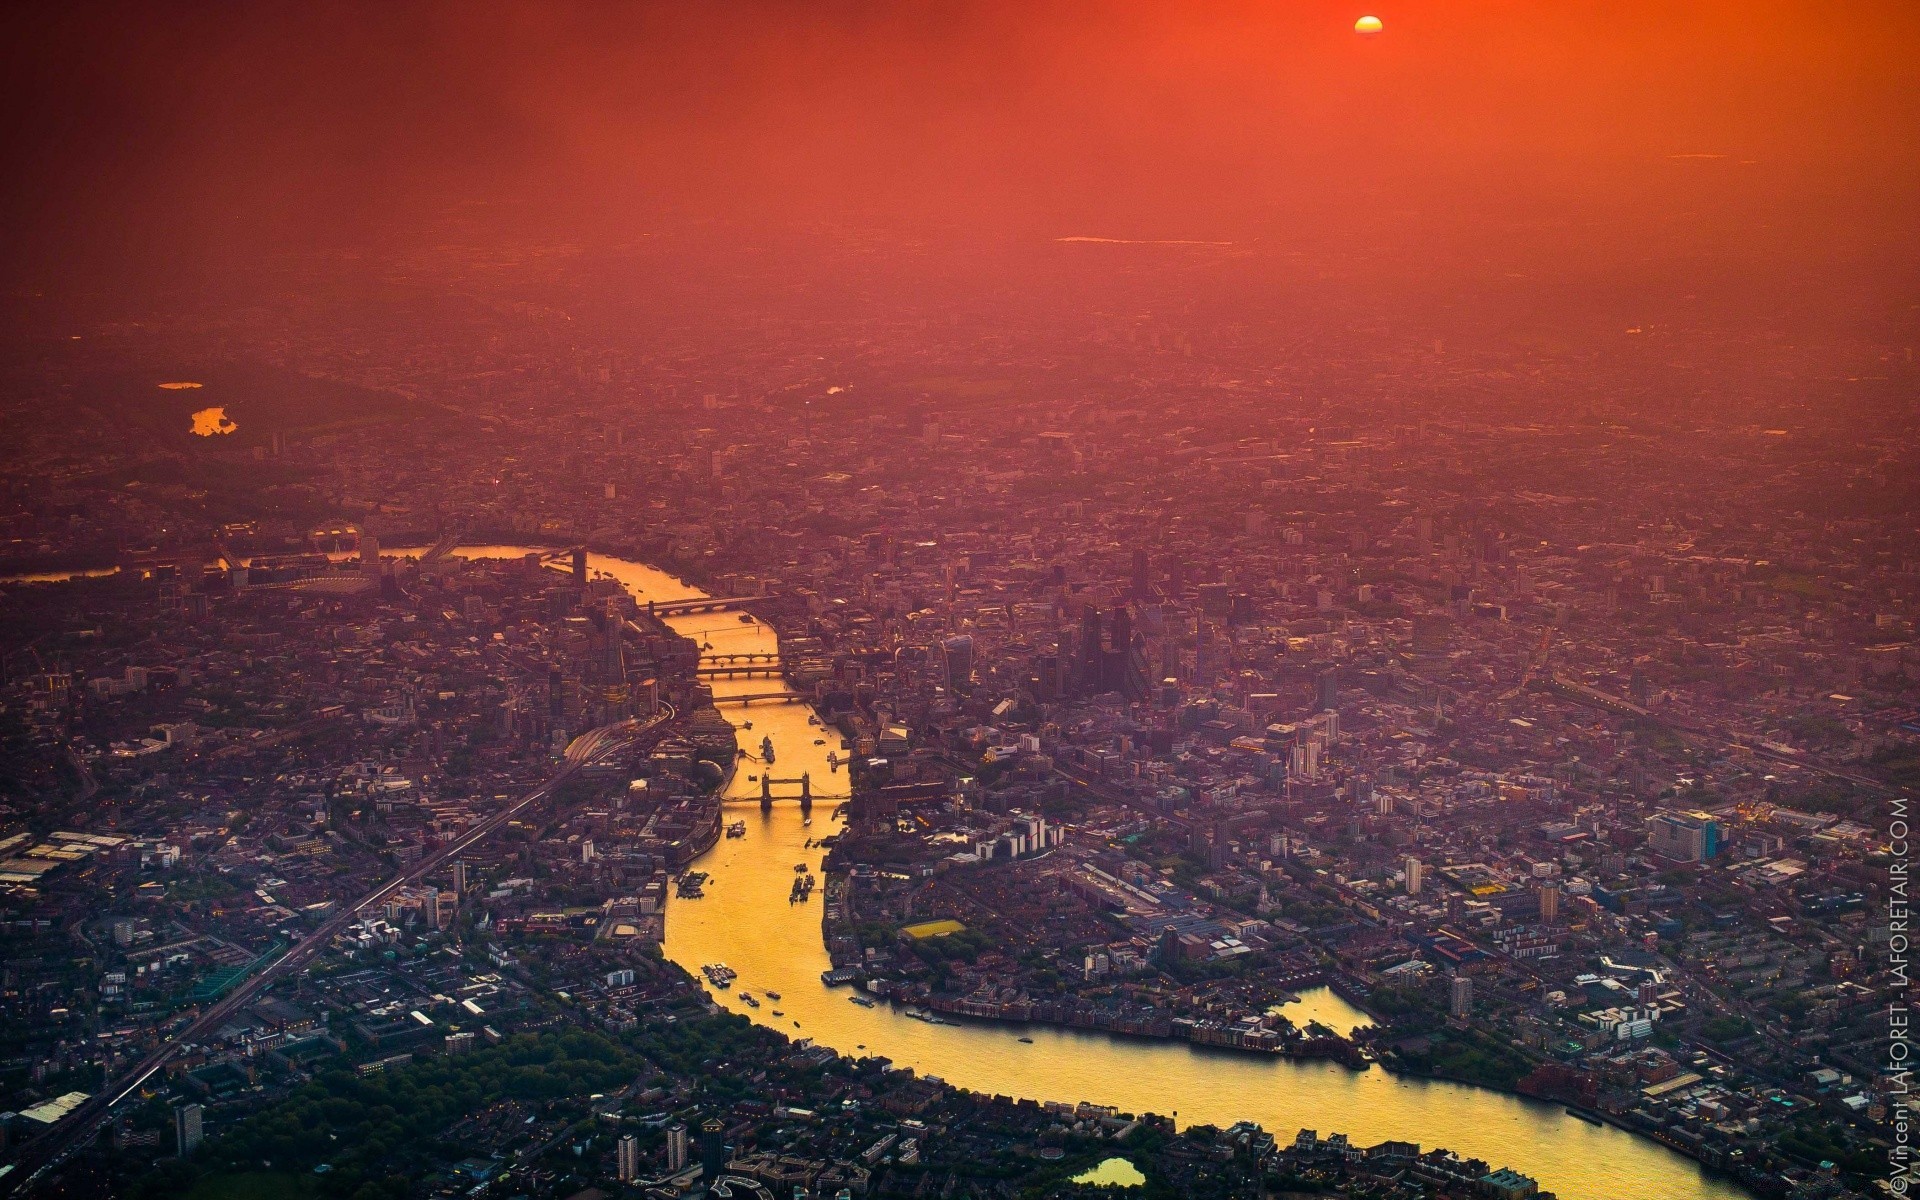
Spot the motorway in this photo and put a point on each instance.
(76, 1128)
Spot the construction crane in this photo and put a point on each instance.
(1534, 663)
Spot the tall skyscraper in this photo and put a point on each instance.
(959, 656)
(1416, 876)
(629, 1156)
(1326, 691)
(1549, 903)
(676, 1147)
(1142, 577)
(713, 1149)
(186, 1129)
(579, 567)
(1093, 659)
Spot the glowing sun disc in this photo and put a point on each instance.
(1368, 25)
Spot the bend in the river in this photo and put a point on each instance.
(745, 921)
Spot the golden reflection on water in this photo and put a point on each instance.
(210, 421)
(746, 922)
(1111, 1172)
(181, 386)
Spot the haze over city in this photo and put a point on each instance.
(977, 599)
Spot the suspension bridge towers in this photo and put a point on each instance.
(805, 781)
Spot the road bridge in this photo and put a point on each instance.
(741, 670)
(750, 697)
(441, 548)
(767, 783)
(668, 608)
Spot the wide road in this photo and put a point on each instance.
(76, 1128)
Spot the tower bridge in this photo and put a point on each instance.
(805, 781)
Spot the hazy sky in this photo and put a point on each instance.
(147, 134)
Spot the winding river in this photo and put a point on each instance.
(746, 922)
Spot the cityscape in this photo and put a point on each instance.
(926, 645)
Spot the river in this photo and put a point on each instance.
(746, 922)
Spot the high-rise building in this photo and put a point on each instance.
(1683, 836)
(579, 566)
(1416, 876)
(959, 656)
(459, 877)
(713, 1149)
(676, 1147)
(1326, 691)
(186, 1129)
(1093, 656)
(1142, 577)
(1460, 998)
(1549, 903)
(629, 1157)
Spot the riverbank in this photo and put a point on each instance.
(747, 923)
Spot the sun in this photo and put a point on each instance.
(1368, 25)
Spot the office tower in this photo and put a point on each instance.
(1142, 580)
(1092, 652)
(579, 567)
(1416, 876)
(629, 1165)
(1326, 690)
(459, 877)
(1549, 903)
(1460, 1000)
(959, 655)
(676, 1147)
(186, 1129)
(713, 1149)
(1683, 836)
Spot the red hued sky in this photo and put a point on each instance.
(1590, 134)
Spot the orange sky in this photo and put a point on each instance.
(158, 131)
